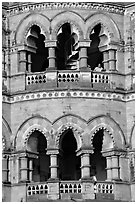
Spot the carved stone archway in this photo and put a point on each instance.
(27, 128)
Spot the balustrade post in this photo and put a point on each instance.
(52, 58)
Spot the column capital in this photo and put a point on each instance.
(52, 151)
(113, 152)
(83, 43)
(50, 43)
(85, 151)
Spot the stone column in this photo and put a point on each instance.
(22, 61)
(115, 168)
(105, 60)
(52, 58)
(85, 162)
(53, 163)
(85, 165)
(30, 169)
(5, 169)
(124, 165)
(23, 169)
(53, 182)
(29, 62)
(112, 59)
(54, 166)
(82, 47)
(109, 171)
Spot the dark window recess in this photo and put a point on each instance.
(95, 57)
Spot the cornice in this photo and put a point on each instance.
(58, 94)
(15, 9)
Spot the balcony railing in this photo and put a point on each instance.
(37, 188)
(70, 187)
(102, 187)
(75, 78)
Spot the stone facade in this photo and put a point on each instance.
(58, 112)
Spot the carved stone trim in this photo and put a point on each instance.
(63, 94)
(72, 23)
(27, 7)
(62, 129)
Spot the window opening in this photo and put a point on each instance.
(95, 57)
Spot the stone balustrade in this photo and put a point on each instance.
(102, 187)
(75, 79)
(37, 188)
(70, 187)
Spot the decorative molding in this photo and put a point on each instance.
(64, 94)
(105, 129)
(77, 132)
(27, 7)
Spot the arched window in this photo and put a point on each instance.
(98, 162)
(39, 54)
(69, 163)
(95, 57)
(37, 144)
(66, 55)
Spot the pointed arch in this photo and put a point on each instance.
(68, 17)
(74, 123)
(28, 127)
(30, 20)
(107, 22)
(111, 127)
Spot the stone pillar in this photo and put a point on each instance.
(53, 182)
(85, 165)
(83, 57)
(53, 163)
(115, 168)
(5, 169)
(105, 60)
(52, 58)
(30, 169)
(112, 59)
(109, 172)
(82, 47)
(124, 165)
(23, 169)
(29, 62)
(85, 162)
(53, 166)
(22, 61)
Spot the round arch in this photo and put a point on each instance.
(74, 123)
(111, 127)
(27, 128)
(6, 135)
(69, 17)
(30, 20)
(108, 24)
